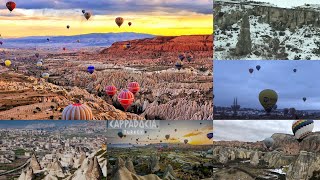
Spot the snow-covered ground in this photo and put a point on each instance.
(299, 44)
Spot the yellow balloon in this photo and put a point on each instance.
(268, 98)
(45, 75)
(7, 63)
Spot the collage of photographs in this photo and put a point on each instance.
(159, 90)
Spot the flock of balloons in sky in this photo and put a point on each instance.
(268, 97)
(167, 136)
(300, 128)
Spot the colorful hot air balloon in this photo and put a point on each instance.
(210, 135)
(111, 90)
(179, 64)
(119, 21)
(126, 98)
(11, 5)
(302, 128)
(167, 136)
(45, 75)
(39, 63)
(181, 57)
(258, 67)
(268, 142)
(133, 87)
(120, 134)
(77, 111)
(294, 70)
(268, 98)
(129, 23)
(250, 70)
(87, 15)
(304, 99)
(185, 141)
(90, 69)
(7, 63)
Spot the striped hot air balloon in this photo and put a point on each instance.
(134, 87)
(77, 111)
(126, 98)
(302, 128)
(111, 90)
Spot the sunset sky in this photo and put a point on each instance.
(157, 17)
(195, 132)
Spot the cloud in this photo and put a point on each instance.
(121, 6)
(251, 130)
(195, 133)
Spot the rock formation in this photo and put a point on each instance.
(34, 163)
(27, 174)
(243, 46)
(169, 173)
(254, 159)
(94, 171)
(154, 163)
(129, 165)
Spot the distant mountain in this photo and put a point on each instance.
(86, 40)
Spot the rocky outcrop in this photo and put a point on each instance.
(254, 160)
(154, 163)
(55, 168)
(34, 163)
(169, 173)
(27, 174)
(243, 46)
(94, 171)
(129, 165)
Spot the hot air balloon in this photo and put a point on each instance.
(133, 87)
(210, 135)
(120, 134)
(45, 75)
(68, 26)
(167, 136)
(185, 141)
(268, 98)
(11, 5)
(77, 111)
(83, 11)
(181, 57)
(7, 63)
(87, 15)
(189, 57)
(129, 23)
(48, 39)
(39, 63)
(126, 98)
(294, 70)
(90, 69)
(37, 55)
(258, 67)
(119, 21)
(268, 142)
(302, 128)
(250, 70)
(111, 90)
(304, 99)
(179, 64)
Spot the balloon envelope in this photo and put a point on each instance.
(87, 15)
(133, 87)
(179, 64)
(11, 5)
(268, 142)
(90, 69)
(77, 111)
(302, 128)
(111, 90)
(167, 136)
(209, 135)
(250, 70)
(258, 67)
(119, 21)
(126, 98)
(268, 98)
(7, 63)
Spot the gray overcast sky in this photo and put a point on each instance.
(252, 130)
(232, 79)
(290, 3)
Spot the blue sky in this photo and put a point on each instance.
(232, 79)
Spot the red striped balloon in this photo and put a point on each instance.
(77, 112)
(111, 90)
(126, 98)
(134, 87)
